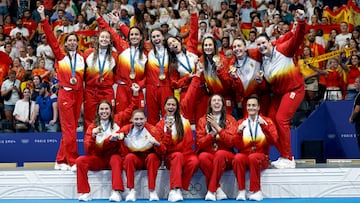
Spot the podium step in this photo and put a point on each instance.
(305, 182)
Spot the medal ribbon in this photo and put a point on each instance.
(132, 59)
(73, 66)
(188, 67)
(161, 64)
(253, 136)
(243, 64)
(101, 66)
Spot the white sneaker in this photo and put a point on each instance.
(284, 163)
(153, 196)
(175, 195)
(179, 194)
(241, 195)
(131, 196)
(172, 195)
(210, 196)
(62, 167)
(277, 161)
(220, 194)
(256, 196)
(73, 168)
(84, 197)
(115, 196)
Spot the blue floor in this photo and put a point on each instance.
(273, 200)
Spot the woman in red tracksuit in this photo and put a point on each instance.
(70, 71)
(102, 147)
(183, 62)
(244, 67)
(130, 63)
(142, 148)
(216, 76)
(157, 77)
(214, 134)
(100, 62)
(255, 135)
(287, 85)
(180, 157)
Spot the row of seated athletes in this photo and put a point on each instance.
(110, 143)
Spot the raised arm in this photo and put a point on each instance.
(119, 43)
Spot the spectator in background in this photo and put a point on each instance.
(45, 52)
(18, 68)
(61, 7)
(3, 10)
(330, 44)
(245, 10)
(286, 16)
(30, 24)
(295, 6)
(66, 26)
(352, 72)
(10, 86)
(46, 109)
(31, 59)
(23, 112)
(35, 92)
(20, 29)
(343, 36)
(8, 25)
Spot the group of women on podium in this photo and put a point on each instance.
(183, 87)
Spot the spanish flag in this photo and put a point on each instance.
(354, 13)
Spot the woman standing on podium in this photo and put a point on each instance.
(100, 62)
(131, 60)
(70, 72)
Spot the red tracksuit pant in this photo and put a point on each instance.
(133, 162)
(84, 164)
(182, 168)
(93, 95)
(282, 109)
(123, 98)
(69, 103)
(255, 162)
(155, 101)
(214, 165)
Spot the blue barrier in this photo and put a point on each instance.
(328, 125)
(32, 147)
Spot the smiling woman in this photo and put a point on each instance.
(214, 134)
(142, 149)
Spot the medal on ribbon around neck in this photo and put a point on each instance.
(253, 147)
(232, 69)
(101, 79)
(261, 73)
(132, 75)
(216, 59)
(162, 76)
(215, 146)
(73, 81)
